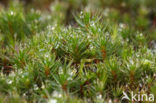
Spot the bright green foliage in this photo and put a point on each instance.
(94, 59)
(15, 24)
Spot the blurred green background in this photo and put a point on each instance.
(137, 14)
